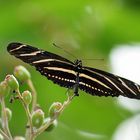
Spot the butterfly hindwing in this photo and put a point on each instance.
(102, 83)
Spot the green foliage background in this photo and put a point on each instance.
(87, 29)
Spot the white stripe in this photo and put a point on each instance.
(18, 48)
(61, 69)
(113, 84)
(137, 87)
(49, 60)
(30, 54)
(106, 79)
(93, 79)
(127, 86)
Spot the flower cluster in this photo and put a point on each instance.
(37, 122)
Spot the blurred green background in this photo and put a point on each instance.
(87, 29)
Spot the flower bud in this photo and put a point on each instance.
(4, 88)
(37, 118)
(22, 73)
(52, 126)
(12, 82)
(54, 108)
(27, 97)
(8, 113)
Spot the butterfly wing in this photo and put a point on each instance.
(101, 83)
(54, 67)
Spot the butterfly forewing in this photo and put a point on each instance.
(30, 54)
(54, 67)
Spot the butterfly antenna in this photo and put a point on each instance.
(101, 59)
(64, 50)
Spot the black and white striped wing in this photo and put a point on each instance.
(54, 67)
(101, 83)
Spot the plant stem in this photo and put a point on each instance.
(4, 135)
(43, 128)
(30, 132)
(26, 108)
(4, 119)
(34, 94)
(48, 123)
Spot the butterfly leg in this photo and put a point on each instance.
(67, 91)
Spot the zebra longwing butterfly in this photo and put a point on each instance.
(73, 75)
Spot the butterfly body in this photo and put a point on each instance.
(73, 75)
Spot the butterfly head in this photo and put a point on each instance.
(78, 63)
